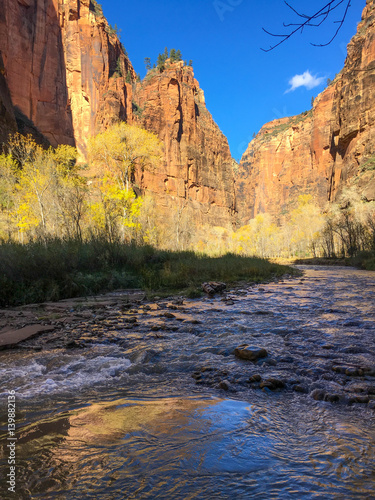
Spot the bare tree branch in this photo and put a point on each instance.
(311, 21)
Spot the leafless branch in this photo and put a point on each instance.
(307, 21)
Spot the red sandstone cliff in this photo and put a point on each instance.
(64, 76)
(321, 151)
(60, 62)
(7, 118)
(198, 163)
(96, 68)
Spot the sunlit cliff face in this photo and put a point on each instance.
(69, 78)
(321, 151)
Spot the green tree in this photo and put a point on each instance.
(161, 63)
(124, 50)
(98, 10)
(148, 63)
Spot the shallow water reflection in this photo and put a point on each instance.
(198, 448)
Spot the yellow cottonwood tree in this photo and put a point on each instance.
(306, 222)
(41, 191)
(8, 176)
(115, 155)
(115, 209)
(123, 148)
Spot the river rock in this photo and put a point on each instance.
(213, 287)
(332, 398)
(318, 394)
(359, 398)
(225, 385)
(250, 353)
(168, 315)
(272, 384)
(300, 388)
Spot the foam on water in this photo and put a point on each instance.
(53, 372)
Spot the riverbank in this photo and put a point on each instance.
(364, 260)
(304, 327)
(59, 269)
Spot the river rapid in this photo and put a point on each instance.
(150, 401)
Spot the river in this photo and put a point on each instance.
(152, 403)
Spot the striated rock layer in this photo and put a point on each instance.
(322, 151)
(198, 164)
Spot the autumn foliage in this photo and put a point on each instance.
(46, 194)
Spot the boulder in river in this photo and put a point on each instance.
(250, 353)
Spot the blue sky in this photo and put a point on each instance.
(244, 86)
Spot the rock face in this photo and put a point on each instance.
(7, 118)
(321, 151)
(34, 66)
(60, 60)
(198, 164)
(96, 68)
(68, 77)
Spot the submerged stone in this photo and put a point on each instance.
(250, 353)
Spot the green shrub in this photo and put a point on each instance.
(96, 7)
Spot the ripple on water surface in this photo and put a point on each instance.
(197, 448)
(105, 422)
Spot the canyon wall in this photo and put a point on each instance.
(7, 119)
(60, 59)
(198, 167)
(65, 76)
(322, 151)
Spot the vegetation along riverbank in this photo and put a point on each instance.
(55, 269)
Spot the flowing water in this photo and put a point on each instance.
(152, 402)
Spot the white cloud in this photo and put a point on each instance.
(305, 80)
